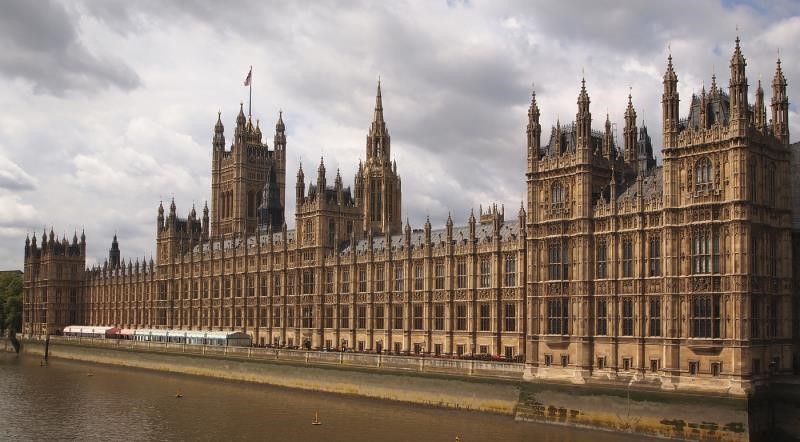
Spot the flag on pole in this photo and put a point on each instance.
(249, 76)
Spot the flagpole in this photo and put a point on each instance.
(250, 103)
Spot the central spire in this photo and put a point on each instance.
(378, 117)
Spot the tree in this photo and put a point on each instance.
(10, 301)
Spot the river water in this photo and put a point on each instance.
(70, 400)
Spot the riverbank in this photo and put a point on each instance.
(638, 411)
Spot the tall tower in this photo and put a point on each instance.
(243, 177)
(377, 183)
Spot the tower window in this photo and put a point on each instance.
(655, 256)
(601, 260)
(627, 258)
(704, 174)
(557, 195)
(558, 316)
(706, 317)
(705, 253)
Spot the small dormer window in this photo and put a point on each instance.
(557, 195)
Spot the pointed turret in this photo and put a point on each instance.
(172, 209)
(608, 140)
(583, 120)
(160, 218)
(219, 134)
(206, 225)
(279, 140)
(321, 180)
(449, 226)
(760, 112)
(669, 106)
(534, 132)
(630, 134)
(472, 224)
(738, 86)
(780, 106)
(300, 187)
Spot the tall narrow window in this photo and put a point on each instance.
(331, 233)
(510, 313)
(554, 261)
(484, 318)
(752, 185)
(308, 282)
(461, 317)
(379, 317)
(309, 231)
(558, 316)
(398, 277)
(461, 273)
(774, 318)
(703, 174)
(655, 317)
(511, 270)
(770, 189)
(601, 260)
(345, 281)
(557, 195)
(397, 317)
(290, 317)
(438, 317)
(486, 273)
(417, 311)
(329, 281)
(705, 252)
(328, 316)
(379, 278)
(601, 322)
(654, 257)
(627, 258)
(418, 276)
(307, 317)
(344, 316)
(362, 278)
(627, 316)
(439, 275)
(772, 248)
(361, 319)
(705, 317)
(755, 317)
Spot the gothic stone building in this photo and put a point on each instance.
(679, 273)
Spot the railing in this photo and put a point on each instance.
(494, 369)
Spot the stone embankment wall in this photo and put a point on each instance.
(473, 385)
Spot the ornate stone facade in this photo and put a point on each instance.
(617, 268)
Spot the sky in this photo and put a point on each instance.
(108, 107)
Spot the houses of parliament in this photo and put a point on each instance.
(679, 273)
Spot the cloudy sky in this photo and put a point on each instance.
(108, 107)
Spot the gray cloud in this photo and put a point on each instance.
(456, 82)
(40, 44)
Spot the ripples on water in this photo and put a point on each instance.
(62, 402)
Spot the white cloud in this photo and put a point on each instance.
(111, 107)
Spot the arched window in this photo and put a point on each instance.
(704, 173)
(557, 195)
